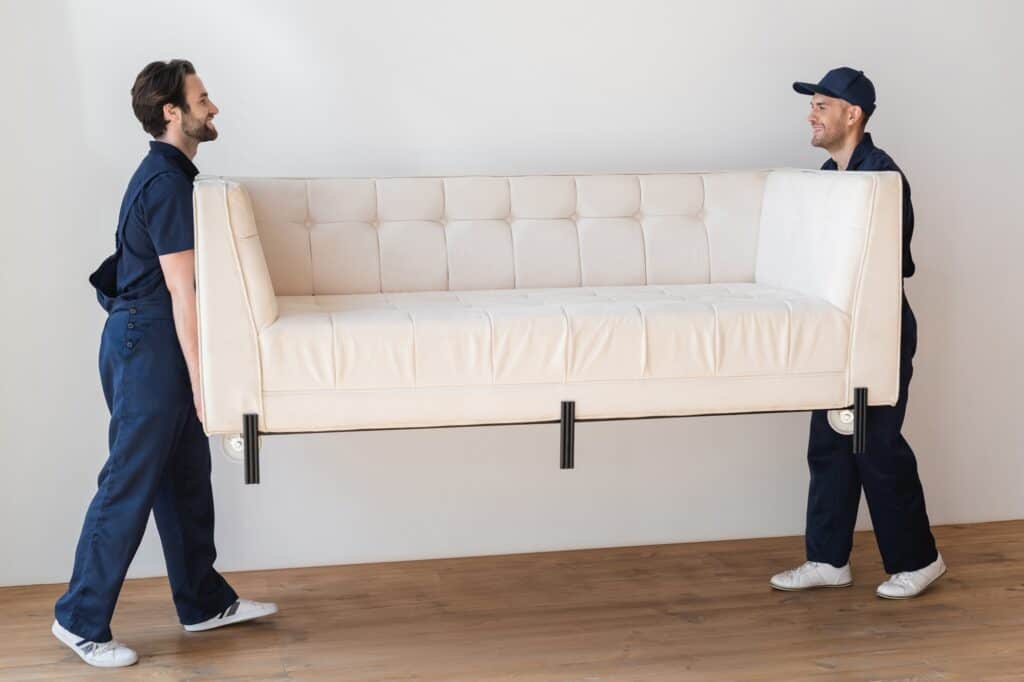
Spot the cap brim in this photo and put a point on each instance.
(813, 89)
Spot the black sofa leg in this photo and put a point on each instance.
(251, 436)
(860, 420)
(568, 433)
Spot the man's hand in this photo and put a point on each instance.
(179, 273)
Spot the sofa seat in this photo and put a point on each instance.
(549, 336)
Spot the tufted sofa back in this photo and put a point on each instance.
(345, 236)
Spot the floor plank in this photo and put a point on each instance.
(700, 611)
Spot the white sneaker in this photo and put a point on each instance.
(812, 574)
(241, 610)
(912, 583)
(112, 654)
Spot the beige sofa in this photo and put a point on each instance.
(340, 304)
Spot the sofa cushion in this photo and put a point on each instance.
(557, 335)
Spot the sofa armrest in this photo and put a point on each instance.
(235, 299)
(838, 236)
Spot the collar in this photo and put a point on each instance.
(172, 153)
(860, 152)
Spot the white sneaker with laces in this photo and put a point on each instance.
(241, 610)
(812, 574)
(112, 654)
(912, 583)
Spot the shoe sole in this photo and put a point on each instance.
(911, 596)
(804, 589)
(230, 620)
(71, 645)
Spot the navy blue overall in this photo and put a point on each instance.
(159, 457)
(887, 470)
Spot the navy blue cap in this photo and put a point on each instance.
(843, 83)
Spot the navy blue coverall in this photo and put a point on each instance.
(887, 470)
(159, 457)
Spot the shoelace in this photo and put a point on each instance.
(105, 647)
(802, 569)
(903, 580)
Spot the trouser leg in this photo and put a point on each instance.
(184, 515)
(887, 470)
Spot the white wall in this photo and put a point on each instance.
(407, 88)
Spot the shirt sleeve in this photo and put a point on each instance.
(168, 211)
(887, 164)
(908, 206)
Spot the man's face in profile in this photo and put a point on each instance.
(197, 121)
(828, 119)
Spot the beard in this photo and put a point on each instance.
(825, 140)
(197, 129)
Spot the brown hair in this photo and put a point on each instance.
(158, 84)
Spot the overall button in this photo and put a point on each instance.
(131, 325)
(130, 344)
(132, 310)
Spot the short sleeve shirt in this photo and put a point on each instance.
(155, 219)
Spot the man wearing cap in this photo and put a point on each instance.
(841, 104)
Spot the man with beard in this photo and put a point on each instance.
(159, 458)
(841, 104)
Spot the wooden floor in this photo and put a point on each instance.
(699, 611)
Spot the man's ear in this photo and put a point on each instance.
(856, 114)
(170, 113)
